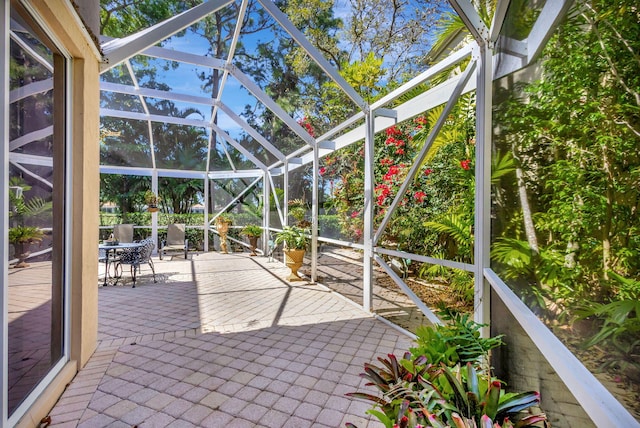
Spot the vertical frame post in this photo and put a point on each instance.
(285, 188)
(483, 186)
(367, 274)
(314, 215)
(154, 215)
(266, 210)
(206, 211)
(4, 208)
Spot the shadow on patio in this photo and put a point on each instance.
(223, 340)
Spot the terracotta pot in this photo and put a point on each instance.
(223, 229)
(294, 259)
(253, 241)
(22, 253)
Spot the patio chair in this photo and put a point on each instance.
(123, 232)
(175, 241)
(136, 257)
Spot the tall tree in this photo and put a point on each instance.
(398, 31)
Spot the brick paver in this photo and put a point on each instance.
(224, 340)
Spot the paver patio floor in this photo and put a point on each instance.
(222, 340)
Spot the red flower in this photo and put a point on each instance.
(322, 170)
(354, 214)
(465, 164)
(420, 120)
(386, 161)
(419, 196)
(428, 171)
(400, 151)
(306, 124)
(393, 131)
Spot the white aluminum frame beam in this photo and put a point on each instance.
(176, 173)
(552, 13)
(155, 93)
(471, 19)
(275, 198)
(238, 147)
(408, 291)
(251, 131)
(35, 55)
(424, 102)
(315, 55)
(238, 196)
(604, 409)
(30, 137)
(271, 104)
(455, 95)
(184, 57)
(497, 21)
(34, 88)
(117, 51)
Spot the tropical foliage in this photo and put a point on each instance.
(436, 385)
(566, 231)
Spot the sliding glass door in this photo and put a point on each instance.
(33, 182)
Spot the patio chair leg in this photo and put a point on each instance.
(133, 275)
(153, 269)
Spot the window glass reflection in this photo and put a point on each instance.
(566, 230)
(34, 285)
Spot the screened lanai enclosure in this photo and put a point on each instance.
(496, 175)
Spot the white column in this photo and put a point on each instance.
(4, 206)
(266, 210)
(285, 188)
(314, 215)
(154, 215)
(367, 274)
(206, 212)
(483, 187)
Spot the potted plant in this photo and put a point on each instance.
(22, 237)
(298, 210)
(295, 241)
(253, 232)
(151, 199)
(223, 221)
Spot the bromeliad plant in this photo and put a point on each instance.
(432, 387)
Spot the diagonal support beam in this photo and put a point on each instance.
(117, 51)
(30, 137)
(271, 104)
(472, 20)
(425, 149)
(255, 134)
(238, 147)
(301, 39)
(235, 199)
(499, 15)
(408, 291)
(548, 20)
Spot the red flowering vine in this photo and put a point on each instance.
(465, 164)
(419, 196)
(306, 124)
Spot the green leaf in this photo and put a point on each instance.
(386, 421)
